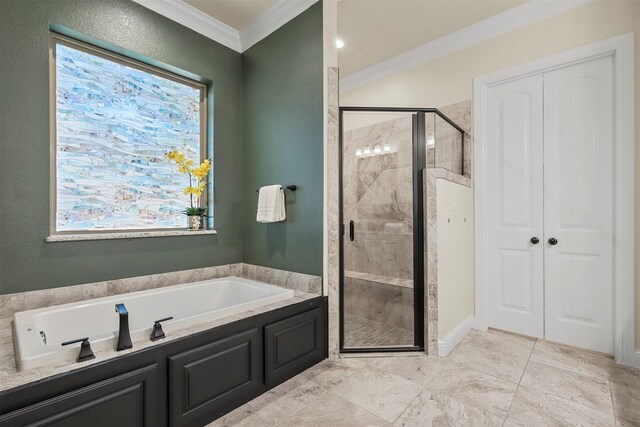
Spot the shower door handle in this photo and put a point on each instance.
(352, 230)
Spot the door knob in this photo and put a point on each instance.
(553, 241)
(534, 240)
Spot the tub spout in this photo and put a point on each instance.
(124, 338)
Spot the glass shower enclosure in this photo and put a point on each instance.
(384, 152)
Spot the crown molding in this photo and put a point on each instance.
(263, 25)
(272, 19)
(507, 21)
(198, 21)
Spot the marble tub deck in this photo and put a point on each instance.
(10, 377)
(490, 378)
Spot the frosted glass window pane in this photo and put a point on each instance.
(114, 123)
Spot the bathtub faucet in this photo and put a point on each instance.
(124, 338)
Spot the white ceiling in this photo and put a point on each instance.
(375, 30)
(235, 13)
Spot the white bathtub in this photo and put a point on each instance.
(39, 333)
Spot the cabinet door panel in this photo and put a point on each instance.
(293, 343)
(123, 400)
(207, 378)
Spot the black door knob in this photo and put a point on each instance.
(534, 240)
(553, 241)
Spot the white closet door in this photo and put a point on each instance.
(578, 204)
(512, 207)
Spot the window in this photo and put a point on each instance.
(114, 120)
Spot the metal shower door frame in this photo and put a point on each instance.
(418, 166)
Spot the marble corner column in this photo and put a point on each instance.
(430, 264)
(333, 226)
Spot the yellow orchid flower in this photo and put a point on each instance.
(200, 173)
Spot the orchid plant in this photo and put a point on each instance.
(197, 180)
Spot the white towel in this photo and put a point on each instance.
(271, 204)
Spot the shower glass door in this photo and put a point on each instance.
(381, 239)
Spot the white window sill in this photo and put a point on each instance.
(125, 235)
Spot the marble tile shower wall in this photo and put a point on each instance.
(460, 113)
(378, 197)
(446, 151)
(381, 302)
(377, 189)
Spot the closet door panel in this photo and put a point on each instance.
(512, 212)
(578, 203)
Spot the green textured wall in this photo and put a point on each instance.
(283, 143)
(26, 261)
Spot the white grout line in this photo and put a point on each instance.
(519, 381)
(410, 403)
(613, 406)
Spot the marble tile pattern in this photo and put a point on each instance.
(378, 391)
(447, 150)
(286, 279)
(333, 226)
(378, 301)
(460, 113)
(405, 283)
(358, 186)
(126, 235)
(587, 390)
(478, 350)
(13, 303)
(420, 390)
(378, 197)
(363, 332)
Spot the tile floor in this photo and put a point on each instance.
(362, 332)
(490, 378)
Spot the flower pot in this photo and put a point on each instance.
(194, 222)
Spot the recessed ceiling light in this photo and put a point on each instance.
(339, 44)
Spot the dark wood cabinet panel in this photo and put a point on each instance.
(124, 400)
(292, 344)
(207, 378)
(186, 381)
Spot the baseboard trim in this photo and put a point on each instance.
(446, 344)
(632, 359)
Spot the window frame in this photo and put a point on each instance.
(54, 40)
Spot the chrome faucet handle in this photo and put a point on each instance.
(157, 332)
(85, 349)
